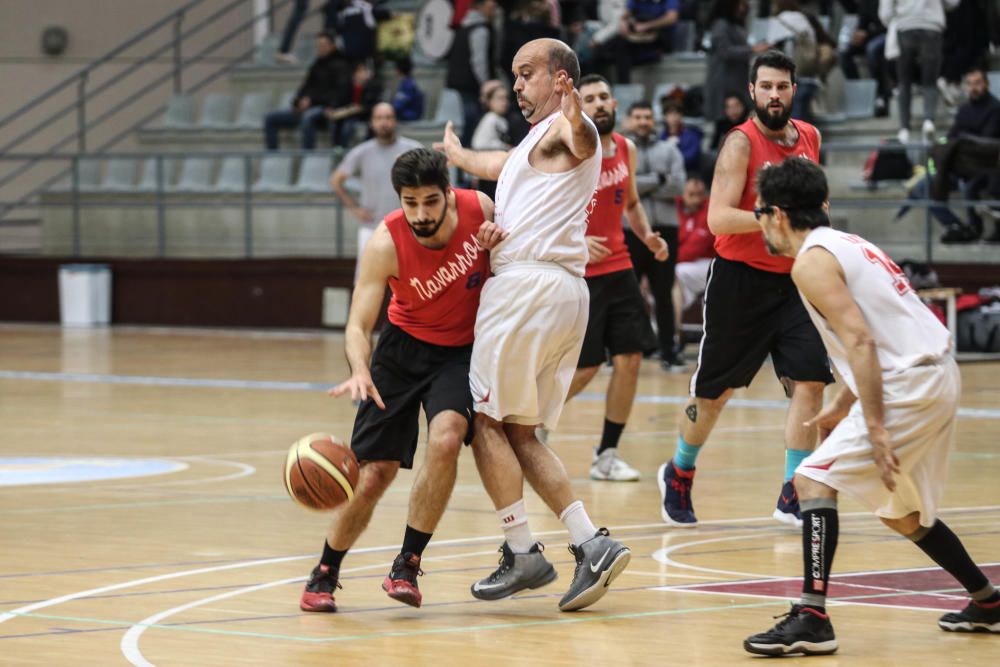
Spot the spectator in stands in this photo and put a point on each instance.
(736, 112)
(696, 248)
(285, 54)
(408, 100)
(525, 20)
(326, 76)
(979, 117)
(965, 43)
(353, 21)
(659, 178)
(470, 62)
(687, 138)
(371, 161)
(646, 30)
(919, 25)
(354, 105)
(728, 56)
(493, 131)
(868, 40)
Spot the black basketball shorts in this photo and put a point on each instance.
(618, 321)
(749, 314)
(409, 373)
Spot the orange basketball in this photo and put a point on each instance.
(320, 472)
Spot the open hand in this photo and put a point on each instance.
(571, 102)
(827, 419)
(450, 143)
(361, 388)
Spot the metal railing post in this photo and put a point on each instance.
(81, 113)
(247, 209)
(928, 221)
(178, 61)
(75, 190)
(161, 213)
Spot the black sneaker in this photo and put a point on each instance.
(319, 590)
(976, 617)
(801, 630)
(675, 492)
(401, 582)
(787, 509)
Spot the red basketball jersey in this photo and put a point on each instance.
(749, 248)
(436, 295)
(605, 215)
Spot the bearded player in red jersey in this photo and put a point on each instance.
(428, 254)
(752, 309)
(618, 317)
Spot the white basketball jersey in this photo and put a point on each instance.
(544, 214)
(906, 332)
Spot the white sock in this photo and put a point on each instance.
(577, 523)
(514, 521)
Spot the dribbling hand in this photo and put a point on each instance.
(361, 388)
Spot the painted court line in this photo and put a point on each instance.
(223, 383)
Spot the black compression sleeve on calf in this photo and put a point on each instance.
(945, 549)
(820, 529)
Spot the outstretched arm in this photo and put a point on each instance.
(484, 164)
(578, 133)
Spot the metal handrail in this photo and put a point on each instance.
(80, 77)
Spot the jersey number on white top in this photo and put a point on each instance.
(876, 256)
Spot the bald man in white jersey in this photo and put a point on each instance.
(531, 323)
(887, 435)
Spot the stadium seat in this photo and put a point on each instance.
(314, 174)
(148, 182)
(120, 175)
(275, 174)
(266, 50)
(196, 175)
(859, 98)
(626, 94)
(180, 112)
(232, 174)
(449, 107)
(253, 107)
(217, 111)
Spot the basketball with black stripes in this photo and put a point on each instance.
(321, 472)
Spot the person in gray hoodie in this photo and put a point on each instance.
(919, 26)
(659, 178)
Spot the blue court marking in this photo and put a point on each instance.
(276, 385)
(20, 471)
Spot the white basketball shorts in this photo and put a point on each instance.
(692, 277)
(920, 406)
(529, 329)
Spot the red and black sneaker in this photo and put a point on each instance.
(976, 617)
(318, 593)
(401, 582)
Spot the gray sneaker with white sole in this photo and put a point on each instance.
(516, 573)
(599, 561)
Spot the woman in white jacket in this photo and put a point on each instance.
(918, 25)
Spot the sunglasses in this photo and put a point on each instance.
(769, 210)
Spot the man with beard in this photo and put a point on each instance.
(372, 161)
(888, 433)
(751, 307)
(428, 255)
(617, 324)
(531, 323)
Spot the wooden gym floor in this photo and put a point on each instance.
(158, 533)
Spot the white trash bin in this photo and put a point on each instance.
(85, 294)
